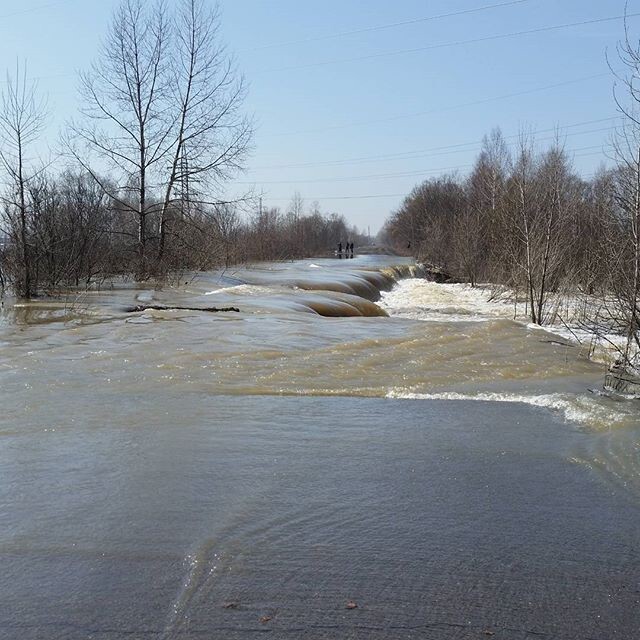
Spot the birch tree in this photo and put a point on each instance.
(556, 188)
(295, 212)
(479, 226)
(520, 214)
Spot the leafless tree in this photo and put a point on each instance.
(487, 192)
(556, 188)
(162, 108)
(227, 228)
(295, 212)
(210, 135)
(22, 118)
(478, 224)
(124, 107)
(626, 245)
(591, 231)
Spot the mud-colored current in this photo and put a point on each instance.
(352, 433)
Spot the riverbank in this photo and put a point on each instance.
(577, 319)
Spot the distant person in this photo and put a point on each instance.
(340, 250)
(352, 249)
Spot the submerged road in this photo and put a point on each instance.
(252, 515)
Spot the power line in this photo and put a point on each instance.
(390, 25)
(409, 155)
(454, 43)
(49, 77)
(386, 176)
(440, 109)
(378, 176)
(363, 197)
(369, 196)
(406, 174)
(32, 9)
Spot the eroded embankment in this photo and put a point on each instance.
(331, 289)
(334, 288)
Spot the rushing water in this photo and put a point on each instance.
(186, 474)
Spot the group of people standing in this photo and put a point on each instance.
(348, 250)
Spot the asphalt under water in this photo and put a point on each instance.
(180, 474)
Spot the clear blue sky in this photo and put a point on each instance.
(321, 126)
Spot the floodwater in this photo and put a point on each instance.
(182, 474)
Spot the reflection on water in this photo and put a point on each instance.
(150, 475)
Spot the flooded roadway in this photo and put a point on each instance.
(185, 474)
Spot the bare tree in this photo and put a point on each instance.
(487, 191)
(22, 118)
(226, 222)
(626, 245)
(556, 188)
(211, 136)
(162, 108)
(529, 228)
(592, 230)
(124, 107)
(296, 214)
(478, 223)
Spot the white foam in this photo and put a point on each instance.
(238, 288)
(580, 409)
(420, 299)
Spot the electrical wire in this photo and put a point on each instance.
(441, 109)
(33, 9)
(390, 25)
(409, 155)
(455, 43)
(387, 176)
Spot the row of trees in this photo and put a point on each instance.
(272, 234)
(524, 219)
(160, 132)
(75, 234)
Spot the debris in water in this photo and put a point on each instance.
(162, 307)
(230, 605)
(265, 619)
(351, 605)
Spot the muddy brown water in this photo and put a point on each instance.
(183, 474)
